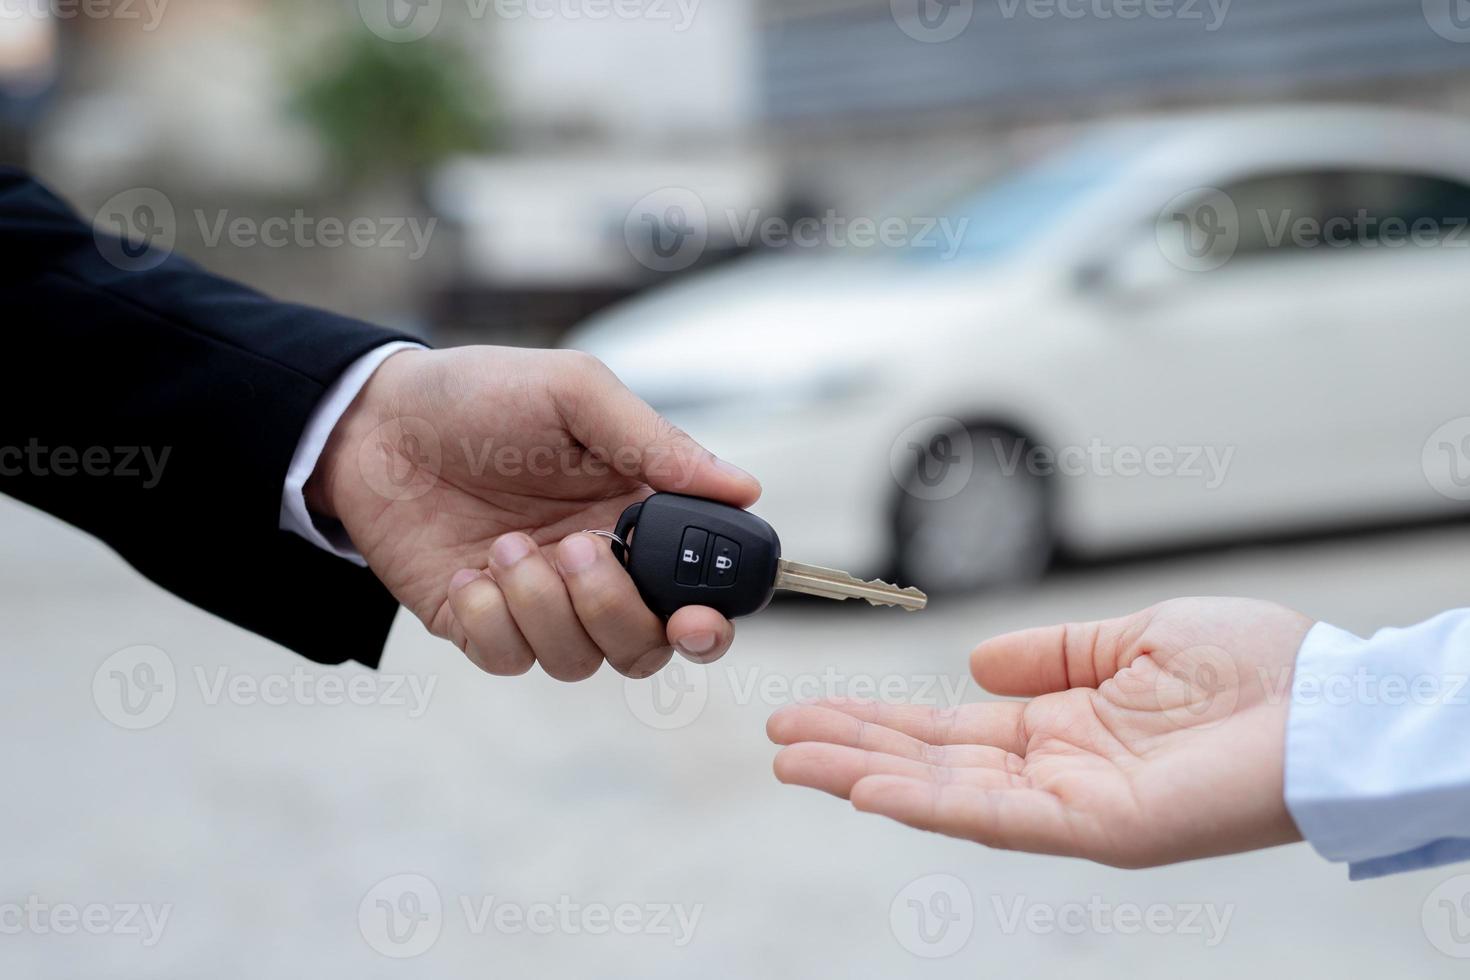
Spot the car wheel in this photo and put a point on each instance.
(992, 530)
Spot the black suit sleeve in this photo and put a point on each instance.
(158, 409)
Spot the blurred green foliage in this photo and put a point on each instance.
(386, 110)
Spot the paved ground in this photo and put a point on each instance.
(544, 819)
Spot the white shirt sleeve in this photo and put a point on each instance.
(328, 535)
(1378, 746)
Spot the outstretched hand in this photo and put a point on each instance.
(1151, 739)
(465, 478)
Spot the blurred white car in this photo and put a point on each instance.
(1165, 334)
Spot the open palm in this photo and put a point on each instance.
(466, 477)
(1150, 739)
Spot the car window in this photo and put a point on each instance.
(1335, 210)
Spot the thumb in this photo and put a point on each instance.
(1057, 658)
(641, 443)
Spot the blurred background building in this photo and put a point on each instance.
(836, 76)
(532, 137)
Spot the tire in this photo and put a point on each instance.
(989, 531)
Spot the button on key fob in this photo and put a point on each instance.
(685, 551)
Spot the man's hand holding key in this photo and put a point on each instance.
(465, 478)
(505, 560)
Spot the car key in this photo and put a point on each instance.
(685, 551)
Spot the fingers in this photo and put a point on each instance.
(634, 640)
(1056, 658)
(701, 634)
(605, 414)
(489, 635)
(990, 731)
(542, 610)
(1013, 819)
(836, 769)
(569, 618)
(610, 609)
(813, 723)
(913, 765)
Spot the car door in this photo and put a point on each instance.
(1248, 367)
(1392, 314)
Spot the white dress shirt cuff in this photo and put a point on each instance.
(325, 534)
(1377, 772)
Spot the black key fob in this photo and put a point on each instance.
(684, 551)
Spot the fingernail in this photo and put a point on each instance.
(732, 470)
(698, 644)
(509, 550)
(463, 578)
(577, 553)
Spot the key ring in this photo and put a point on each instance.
(610, 536)
(620, 547)
(619, 538)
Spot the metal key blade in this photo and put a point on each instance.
(829, 583)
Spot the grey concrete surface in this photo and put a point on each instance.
(266, 829)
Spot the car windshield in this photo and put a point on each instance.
(1001, 218)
